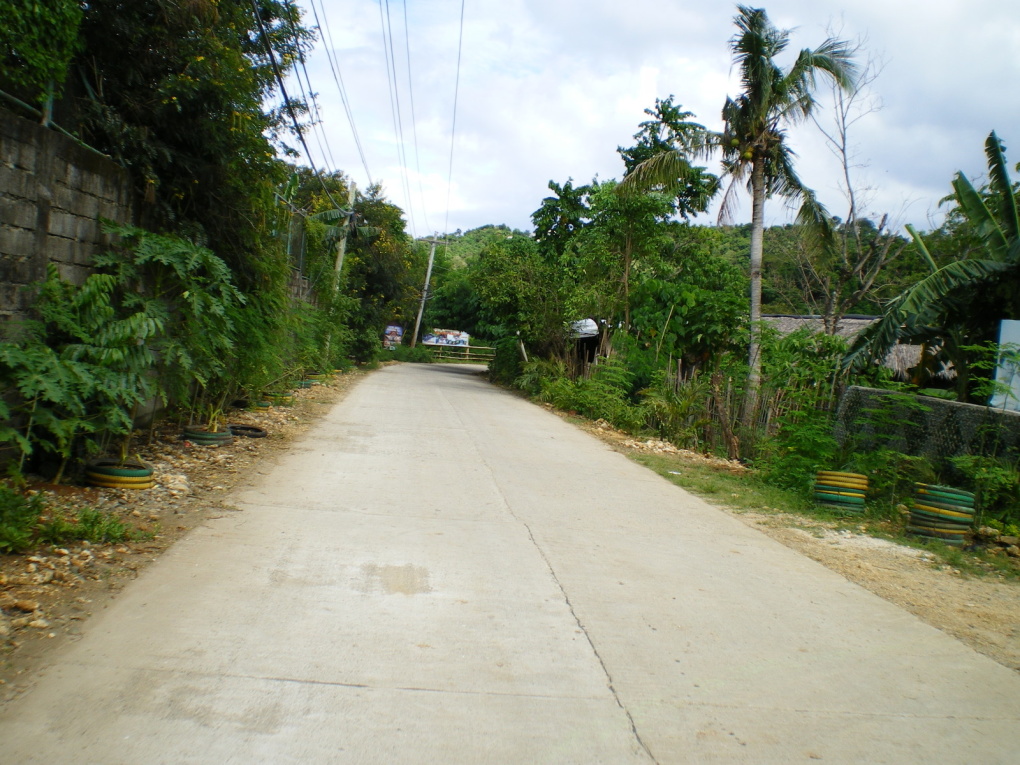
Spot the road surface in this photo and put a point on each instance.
(441, 572)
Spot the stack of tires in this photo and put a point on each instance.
(841, 491)
(941, 512)
(117, 474)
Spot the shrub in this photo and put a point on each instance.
(19, 518)
(417, 355)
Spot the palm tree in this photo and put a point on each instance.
(963, 301)
(753, 141)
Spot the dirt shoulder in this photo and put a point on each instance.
(46, 596)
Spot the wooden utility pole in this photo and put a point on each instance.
(425, 291)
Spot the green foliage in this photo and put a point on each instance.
(539, 374)
(507, 364)
(187, 305)
(891, 474)
(626, 231)
(996, 484)
(561, 217)
(670, 132)
(100, 527)
(417, 355)
(678, 410)
(604, 395)
(519, 292)
(803, 446)
(695, 314)
(37, 41)
(189, 116)
(19, 516)
(26, 522)
(959, 305)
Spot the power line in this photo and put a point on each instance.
(414, 119)
(334, 66)
(453, 129)
(286, 99)
(398, 122)
(320, 134)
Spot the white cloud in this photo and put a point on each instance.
(550, 88)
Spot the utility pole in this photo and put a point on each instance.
(341, 247)
(425, 291)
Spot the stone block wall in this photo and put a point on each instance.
(53, 192)
(929, 427)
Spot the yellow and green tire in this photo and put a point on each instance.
(114, 474)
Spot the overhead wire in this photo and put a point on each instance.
(398, 122)
(453, 128)
(323, 26)
(320, 135)
(414, 119)
(286, 99)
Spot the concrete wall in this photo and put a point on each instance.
(52, 194)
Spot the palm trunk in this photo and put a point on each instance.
(757, 234)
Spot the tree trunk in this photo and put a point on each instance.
(757, 234)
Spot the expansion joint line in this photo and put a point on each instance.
(563, 592)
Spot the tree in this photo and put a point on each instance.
(671, 131)
(625, 230)
(840, 262)
(961, 303)
(37, 41)
(561, 216)
(753, 141)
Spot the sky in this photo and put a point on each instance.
(548, 89)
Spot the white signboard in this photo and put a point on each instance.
(1007, 375)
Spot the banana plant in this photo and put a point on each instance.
(941, 310)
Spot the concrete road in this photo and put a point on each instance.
(440, 572)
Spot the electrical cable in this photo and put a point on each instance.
(398, 122)
(453, 129)
(286, 99)
(414, 120)
(334, 66)
(320, 134)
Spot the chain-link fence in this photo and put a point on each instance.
(868, 418)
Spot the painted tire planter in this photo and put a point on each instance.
(954, 539)
(931, 497)
(942, 513)
(838, 490)
(304, 383)
(206, 437)
(114, 474)
(279, 399)
(247, 431)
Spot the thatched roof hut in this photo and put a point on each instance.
(900, 359)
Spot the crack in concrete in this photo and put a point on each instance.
(563, 592)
